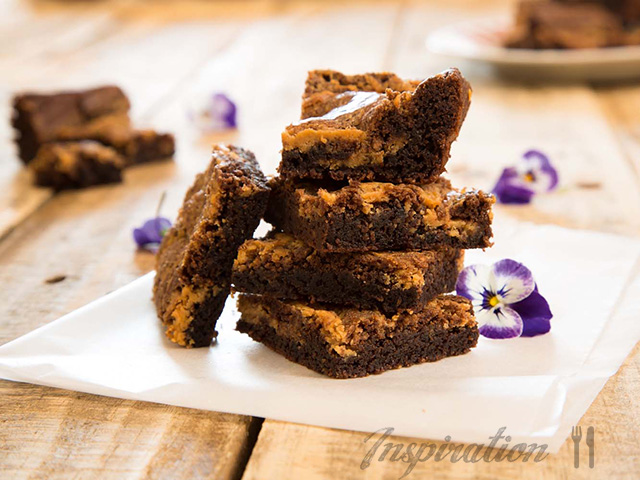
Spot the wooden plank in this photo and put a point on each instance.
(74, 435)
(621, 104)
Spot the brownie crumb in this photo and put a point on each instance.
(55, 279)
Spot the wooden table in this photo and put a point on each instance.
(169, 57)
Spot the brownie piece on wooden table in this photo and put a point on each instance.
(193, 267)
(39, 119)
(284, 267)
(148, 145)
(100, 114)
(354, 130)
(68, 165)
(374, 216)
(346, 343)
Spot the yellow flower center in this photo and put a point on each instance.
(493, 301)
(529, 177)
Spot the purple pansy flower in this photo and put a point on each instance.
(220, 114)
(149, 236)
(505, 299)
(533, 174)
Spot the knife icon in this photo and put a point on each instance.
(591, 445)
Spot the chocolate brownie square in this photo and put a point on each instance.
(323, 89)
(284, 267)
(193, 268)
(70, 165)
(395, 136)
(375, 216)
(39, 119)
(347, 343)
(148, 145)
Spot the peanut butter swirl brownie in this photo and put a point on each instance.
(284, 267)
(323, 89)
(346, 343)
(193, 271)
(356, 130)
(100, 114)
(70, 165)
(374, 216)
(39, 119)
(145, 146)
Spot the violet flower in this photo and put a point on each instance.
(219, 115)
(149, 236)
(533, 174)
(505, 299)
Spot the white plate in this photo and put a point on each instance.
(482, 41)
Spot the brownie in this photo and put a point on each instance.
(346, 343)
(319, 81)
(39, 119)
(284, 267)
(374, 216)
(369, 134)
(323, 87)
(69, 165)
(193, 267)
(147, 146)
(545, 24)
(627, 10)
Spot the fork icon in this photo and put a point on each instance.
(576, 435)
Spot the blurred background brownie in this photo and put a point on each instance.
(70, 165)
(99, 115)
(145, 146)
(42, 118)
(570, 24)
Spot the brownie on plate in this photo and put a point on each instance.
(344, 343)
(284, 267)
(355, 130)
(69, 165)
(39, 119)
(193, 270)
(374, 216)
(553, 24)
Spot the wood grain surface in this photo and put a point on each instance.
(169, 58)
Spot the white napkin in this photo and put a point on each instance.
(535, 387)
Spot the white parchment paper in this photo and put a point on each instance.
(535, 387)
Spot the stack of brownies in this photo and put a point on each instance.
(368, 236)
